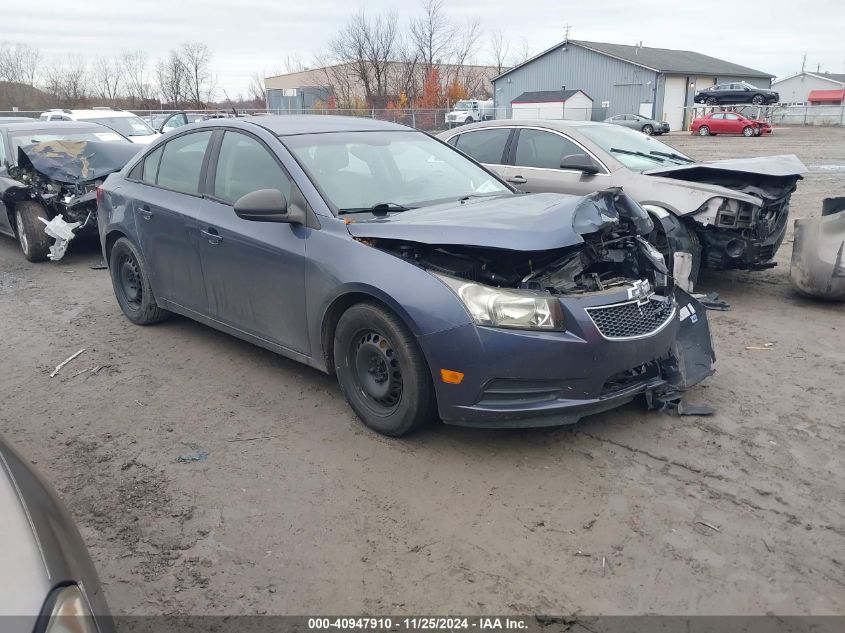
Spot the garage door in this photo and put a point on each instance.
(674, 100)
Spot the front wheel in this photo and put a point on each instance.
(381, 371)
(748, 131)
(758, 100)
(35, 243)
(132, 285)
(648, 130)
(712, 101)
(469, 120)
(704, 131)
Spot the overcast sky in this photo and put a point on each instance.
(255, 35)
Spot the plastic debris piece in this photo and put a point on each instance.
(62, 232)
(762, 348)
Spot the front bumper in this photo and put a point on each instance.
(515, 378)
(662, 129)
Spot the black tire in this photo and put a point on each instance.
(382, 372)
(658, 239)
(712, 101)
(469, 120)
(35, 243)
(648, 130)
(704, 131)
(758, 100)
(748, 131)
(132, 286)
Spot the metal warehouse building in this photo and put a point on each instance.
(622, 79)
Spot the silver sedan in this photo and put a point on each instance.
(640, 123)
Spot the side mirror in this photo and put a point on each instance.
(267, 205)
(579, 162)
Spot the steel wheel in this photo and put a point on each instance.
(704, 131)
(130, 281)
(377, 373)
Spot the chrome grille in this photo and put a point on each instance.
(631, 319)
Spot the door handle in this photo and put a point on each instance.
(517, 180)
(212, 236)
(145, 212)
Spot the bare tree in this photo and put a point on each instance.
(107, 79)
(199, 82)
(172, 80)
(499, 49)
(135, 78)
(524, 53)
(369, 45)
(257, 89)
(68, 79)
(294, 64)
(19, 63)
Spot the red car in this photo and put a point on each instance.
(729, 123)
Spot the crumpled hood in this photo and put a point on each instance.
(76, 161)
(772, 166)
(529, 222)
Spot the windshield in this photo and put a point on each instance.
(31, 137)
(360, 170)
(633, 149)
(126, 125)
(463, 105)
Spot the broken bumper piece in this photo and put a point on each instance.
(62, 232)
(818, 253)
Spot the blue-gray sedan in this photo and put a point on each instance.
(423, 281)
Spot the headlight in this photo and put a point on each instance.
(70, 613)
(498, 307)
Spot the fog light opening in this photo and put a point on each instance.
(735, 248)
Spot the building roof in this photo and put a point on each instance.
(834, 77)
(663, 60)
(827, 95)
(546, 96)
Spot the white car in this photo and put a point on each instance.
(130, 125)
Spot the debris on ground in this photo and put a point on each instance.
(65, 362)
(100, 266)
(762, 348)
(817, 268)
(709, 525)
(712, 301)
(199, 455)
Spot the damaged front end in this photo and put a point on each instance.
(63, 176)
(743, 228)
(617, 325)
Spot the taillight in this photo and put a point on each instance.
(100, 195)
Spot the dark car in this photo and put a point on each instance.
(736, 92)
(47, 580)
(49, 173)
(378, 253)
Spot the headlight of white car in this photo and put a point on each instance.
(507, 308)
(70, 613)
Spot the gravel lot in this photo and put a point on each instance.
(294, 507)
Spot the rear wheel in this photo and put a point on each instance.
(712, 101)
(35, 243)
(748, 131)
(758, 100)
(648, 130)
(381, 371)
(704, 131)
(132, 286)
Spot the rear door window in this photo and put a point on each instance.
(181, 162)
(485, 146)
(149, 170)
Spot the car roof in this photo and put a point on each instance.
(67, 126)
(94, 114)
(290, 124)
(554, 124)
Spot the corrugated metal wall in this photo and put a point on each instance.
(624, 85)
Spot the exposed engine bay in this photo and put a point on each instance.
(63, 177)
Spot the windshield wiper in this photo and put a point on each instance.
(629, 152)
(381, 208)
(674, 156)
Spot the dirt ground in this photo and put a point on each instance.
(284, 503)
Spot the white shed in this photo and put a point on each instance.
(574, 105)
